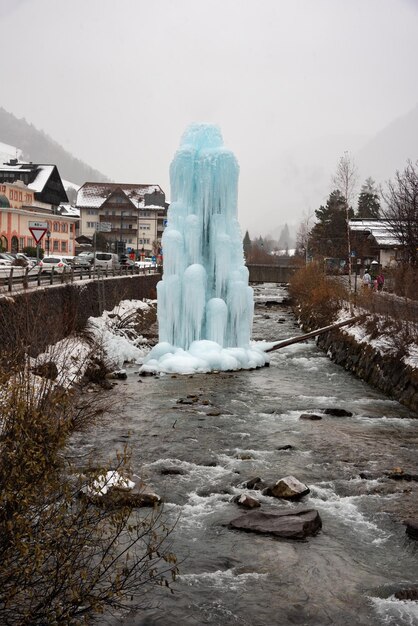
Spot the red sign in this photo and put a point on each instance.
(38, 233)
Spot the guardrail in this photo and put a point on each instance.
(16, 278)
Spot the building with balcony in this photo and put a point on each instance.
(130, 217)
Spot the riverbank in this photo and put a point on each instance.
(382, 349)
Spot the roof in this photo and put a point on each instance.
(93, 195)
(42, 173)
(68, 210)
(380, 230)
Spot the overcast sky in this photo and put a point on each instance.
(291, 83)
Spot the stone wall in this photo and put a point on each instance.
(31, 320)
(387, 373)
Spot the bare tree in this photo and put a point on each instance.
(303, 233)
(401, 212)
(345, 180)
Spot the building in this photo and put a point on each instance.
(374, 240)
(131, 217)
(31, 193)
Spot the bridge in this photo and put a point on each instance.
(271, 273)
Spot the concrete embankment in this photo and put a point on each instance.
(32, 320)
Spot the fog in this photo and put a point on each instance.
(291, 83)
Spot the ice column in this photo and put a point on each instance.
(204, 294)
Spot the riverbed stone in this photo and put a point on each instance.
(117, 497)
(412, 528)
(335, 412)
(246, 501)
(407, 594)
(296, 523)
(310, 416)
(289, 488)
(287, 446)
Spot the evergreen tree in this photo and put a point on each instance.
(246, 245)
(368, 203)
(329, 235)
(284, 238)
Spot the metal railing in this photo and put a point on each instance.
(18, 278)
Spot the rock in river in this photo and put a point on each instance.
(287, 523)
(310, 416)
(412, 528)
(246, 501)
(288, 487)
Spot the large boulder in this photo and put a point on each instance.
(287, 523)
(288, 487)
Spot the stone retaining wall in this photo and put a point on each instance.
(31, 320)
(387, 373)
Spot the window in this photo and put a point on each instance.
(21, 242)
(64, 227)
(56, 227)
(144, 226)
(71, 228)
(91, 224)
(55, 246)
(92, 212)
(20, 196)
(30, 242)
(63, 246)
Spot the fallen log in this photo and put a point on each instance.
(314, 333)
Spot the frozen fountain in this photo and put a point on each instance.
(205, 305)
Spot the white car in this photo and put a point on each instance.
(56, 264)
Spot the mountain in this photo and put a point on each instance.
(35, 145)
(390, 149)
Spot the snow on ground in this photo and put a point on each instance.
(112, 342)
(388, 339)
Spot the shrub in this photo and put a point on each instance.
(318, 297)
(64, 560)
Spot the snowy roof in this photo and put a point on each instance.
(380, 230)
(93, 195)
(43, 172)
(68, 183)
(68, 210)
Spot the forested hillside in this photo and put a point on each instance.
(38, 147)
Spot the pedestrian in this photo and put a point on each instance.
(380, 281)
(367, 280)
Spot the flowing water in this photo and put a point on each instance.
(345, 575)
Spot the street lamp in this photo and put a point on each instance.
(48, 238)
(137, 230)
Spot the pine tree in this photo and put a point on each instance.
(329, 235)
(368, 203)
(246, 245)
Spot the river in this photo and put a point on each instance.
(346, 574)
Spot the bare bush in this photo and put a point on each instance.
(318, 296)
(64, 560)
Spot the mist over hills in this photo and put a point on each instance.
(390, 149)
(37, 146)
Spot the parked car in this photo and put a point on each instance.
(83, 260)
(106, 260)
(57, 264)
(6, 258)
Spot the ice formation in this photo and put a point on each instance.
(205, 305)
